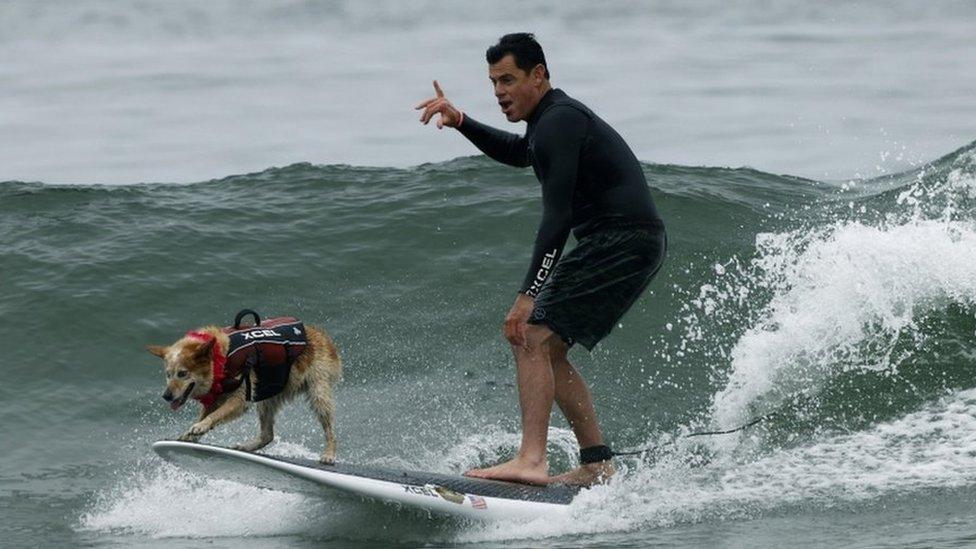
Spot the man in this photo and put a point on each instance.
(593, 185)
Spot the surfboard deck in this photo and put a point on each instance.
(438, 493)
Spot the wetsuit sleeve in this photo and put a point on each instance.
(559, 139)
(507, 148)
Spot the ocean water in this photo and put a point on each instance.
(182, 91)
(216, 158)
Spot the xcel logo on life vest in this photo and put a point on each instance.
(255, 334)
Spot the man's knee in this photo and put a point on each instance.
(557, 350)
(539, 339)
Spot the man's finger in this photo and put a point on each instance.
(437, 88)
(425, 103)
(431, 110)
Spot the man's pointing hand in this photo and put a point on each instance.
(439, 104)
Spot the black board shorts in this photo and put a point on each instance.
(592, 286)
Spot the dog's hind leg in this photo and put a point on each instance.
(267, 410)
(320, 397)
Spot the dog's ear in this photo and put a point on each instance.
(157, 350)
(206, 349)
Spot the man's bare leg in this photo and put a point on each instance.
(573, 397)
(536, 389)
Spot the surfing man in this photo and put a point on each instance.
(592, 185)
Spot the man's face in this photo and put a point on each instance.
(518, 92)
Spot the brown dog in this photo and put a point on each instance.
(270, 362)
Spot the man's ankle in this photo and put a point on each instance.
(533, 460)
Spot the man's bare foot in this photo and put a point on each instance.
(586, 475)
(516, 470)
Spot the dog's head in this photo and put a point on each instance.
(189, 369)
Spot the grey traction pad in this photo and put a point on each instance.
(479, 487)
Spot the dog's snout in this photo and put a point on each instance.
(168, 396)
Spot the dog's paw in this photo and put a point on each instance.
(196, 431)
(189, 437)
(328, 458)
(252, 445)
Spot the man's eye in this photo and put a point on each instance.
(181, 374)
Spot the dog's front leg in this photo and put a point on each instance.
(231, 409)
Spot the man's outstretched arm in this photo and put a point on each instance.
(507, 148)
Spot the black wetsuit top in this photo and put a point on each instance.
(590, 178)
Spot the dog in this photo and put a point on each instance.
(269, 362)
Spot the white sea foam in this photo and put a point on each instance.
(171, 502)
(852, 294)
(160, 500)
(845, 294)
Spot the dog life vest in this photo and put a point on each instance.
(268, 348)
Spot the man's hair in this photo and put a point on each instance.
(523, 47)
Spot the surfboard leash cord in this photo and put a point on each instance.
(699, 434)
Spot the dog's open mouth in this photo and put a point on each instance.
(175, 405)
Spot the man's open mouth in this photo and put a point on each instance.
(175, 405)
(504, 105)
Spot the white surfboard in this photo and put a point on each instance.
(437, 493)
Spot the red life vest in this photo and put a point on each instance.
(268, 348)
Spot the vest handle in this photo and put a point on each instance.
(240, 316)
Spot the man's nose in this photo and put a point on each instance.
(168, 395)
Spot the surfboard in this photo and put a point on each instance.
(436, 493)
